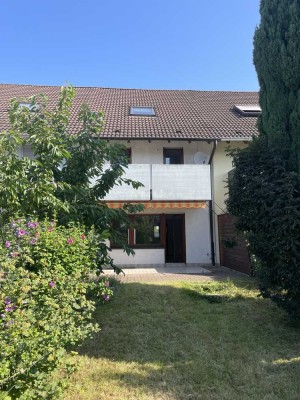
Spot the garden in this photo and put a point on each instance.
(189, 340)
(54, 236)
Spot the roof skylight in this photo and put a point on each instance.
(142, 111)
(249, 110)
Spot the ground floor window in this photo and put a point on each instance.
(152, 231)
(145, 231)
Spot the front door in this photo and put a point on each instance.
(175, 238)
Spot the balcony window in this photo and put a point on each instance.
(173, 156)
(127, 154)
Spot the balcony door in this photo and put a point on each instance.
(175, 238)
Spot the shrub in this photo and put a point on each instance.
(68, 176)
(46, 304)
(264, 196)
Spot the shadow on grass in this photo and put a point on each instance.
(214, 339)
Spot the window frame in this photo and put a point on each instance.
(173, 148)
(129, 154)
(131, 234)
(146, 246)
(136, 114)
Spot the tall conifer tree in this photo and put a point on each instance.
(277, 62)
(264, 192)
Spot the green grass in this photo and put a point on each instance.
(212, 340)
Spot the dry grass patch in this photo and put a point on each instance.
(206, 340)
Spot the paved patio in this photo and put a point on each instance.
(181, 272)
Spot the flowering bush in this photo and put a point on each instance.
(101, 290)
(46, 304)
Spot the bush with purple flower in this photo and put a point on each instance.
(102, 290)
(46, 301)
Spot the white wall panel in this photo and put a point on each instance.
(136, 172)
(181, 182)
(141, 257)
(197, 231)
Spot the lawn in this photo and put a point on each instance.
(206, 340)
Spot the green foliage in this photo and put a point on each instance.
(277, 62)
(101, 290)
(46, 304)
(264, 195)
(69, 174)
(264, 192)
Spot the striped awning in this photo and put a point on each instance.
(161, 205)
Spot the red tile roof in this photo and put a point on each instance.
(180, 114)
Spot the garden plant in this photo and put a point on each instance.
(264, 192)
(54, 232)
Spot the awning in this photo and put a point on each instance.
(161, 205)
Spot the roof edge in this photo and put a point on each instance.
(139, 89)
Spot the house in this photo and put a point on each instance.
(176, 141)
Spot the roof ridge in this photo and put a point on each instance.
(138, 89)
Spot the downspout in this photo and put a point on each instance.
(211, 221)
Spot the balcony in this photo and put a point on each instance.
(181, 182)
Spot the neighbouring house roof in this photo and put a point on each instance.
(179, 114)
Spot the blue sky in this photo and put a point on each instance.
(159, 44)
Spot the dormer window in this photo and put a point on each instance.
(248, 110)
(142, 111)
(31, 107)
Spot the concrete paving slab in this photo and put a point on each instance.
(161, 274)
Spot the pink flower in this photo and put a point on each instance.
(83, 237)
(14, 254)
(70, 241)
(7, 244)
(50, 229)
(33, 241)
(32, 224)
(20, 232)
(10, 308)
(51, 284)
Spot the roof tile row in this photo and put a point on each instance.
(180, 114)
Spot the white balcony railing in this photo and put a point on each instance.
(165, 182)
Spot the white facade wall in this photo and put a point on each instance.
(141, 257)
(198, 246)
(144, 152)
(197, 229)
(196, 220)
(197, 232)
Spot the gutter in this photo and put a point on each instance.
(211, 221)
(185, 139)
(166, 139)
(242, 139)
